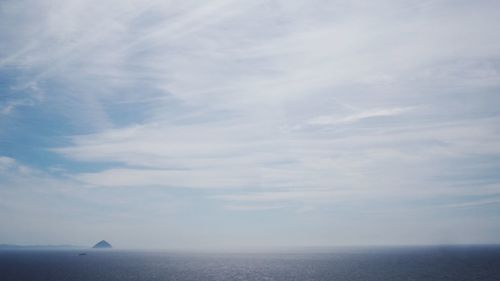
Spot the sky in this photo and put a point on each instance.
(249, 124)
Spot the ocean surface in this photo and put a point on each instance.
(384, 264)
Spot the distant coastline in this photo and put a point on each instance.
(41, 247)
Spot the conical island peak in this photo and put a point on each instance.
(102, 245)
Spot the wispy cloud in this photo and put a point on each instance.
(332, 120)
(252, 207)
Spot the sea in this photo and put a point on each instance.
(440, 263)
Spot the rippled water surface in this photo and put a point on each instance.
(384, 264)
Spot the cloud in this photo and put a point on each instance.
(255, 105)
(476, 203)
(6, 162)
(252, 207)
(45, 208)
(166, 178)
(332, 120)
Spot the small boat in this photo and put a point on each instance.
(82, 254)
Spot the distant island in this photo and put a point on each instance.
(102, 245)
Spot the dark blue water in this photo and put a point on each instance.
(384, 264)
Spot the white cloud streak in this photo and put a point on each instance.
(332, 120)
